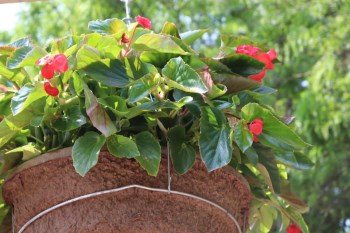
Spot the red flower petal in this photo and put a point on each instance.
(43, 60)
(272, 54)
(249, 50)
(293, 228)
(51, 90)
(124, 40)
(60, 63)
(144, 22)
(255, 139)
(256, 126)
(48, 70)
(258, 77)
(265, 58)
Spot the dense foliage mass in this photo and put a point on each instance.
(312, 41)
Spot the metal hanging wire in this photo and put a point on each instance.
(127, 18)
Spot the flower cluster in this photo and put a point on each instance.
(144, 22)
(256, 127)
(293, 228)
(58, 63)
(255, 52)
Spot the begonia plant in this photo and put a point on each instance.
(135, 91)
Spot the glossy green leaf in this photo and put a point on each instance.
(252, 155)
(295, 160)
(5, 103)
(243, 64)
(275, 132)
(170, 29)
(109, 26)
(243, 137)
(107, 46)
(26, 96)
(14, 75)
(86, 150)
(143, 86)
(214, 141)
(29, 151)
(71, 119)
(122, 147)
(150, 154)
(268, 160)
(182, 155)
(181, 76)
(25, 56)
(191, 36)
(158, 43)
(157, 59)
(110, 72)
(116, 104)
(87, 55)
(137, 68)
(234, 83)
(8, 49)
(98, 116)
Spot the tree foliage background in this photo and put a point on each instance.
(312, 38)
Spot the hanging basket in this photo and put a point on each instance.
(47, 195)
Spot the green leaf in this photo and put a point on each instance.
(108, 46)
(5, 103)
(296, 160)
(191, 36)
(268, 161)
(143, 86)
(150, 154)
(158, 43)
(214, 141)
(243, 137)
(252, 155)
(26, 96)
(137, 69)
(115, 103)
(71, 119)
(170, 29)
(14, 75)
(243, 64)
(182, 154)
(182, 76)
(98, 116)
(157, 59)
(86, 150)
(234, 83)
(8, 49)
(25, 56)
(275, 132)
(87, 55)
(122, 147)
(109, 26)
(110, 72)
(29, 151)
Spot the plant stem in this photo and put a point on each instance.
(162, 128)
(130, 42)
(36, 139)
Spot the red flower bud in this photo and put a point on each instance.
(124, 40)
(144, 22)
(293, 228)
(60, 62)
(51, 90)
(265, 58)
(256, 126)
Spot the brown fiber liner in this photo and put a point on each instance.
(51, 179)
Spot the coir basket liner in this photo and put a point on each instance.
(51, 179)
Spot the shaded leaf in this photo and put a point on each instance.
(86, 150)
(122, 147)
(26, 96)
(182, 155)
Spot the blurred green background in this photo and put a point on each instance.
(313, 78)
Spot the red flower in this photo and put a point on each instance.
(58, 63)
(144, 22)
(249, 50)
(51, 90)
(293, 228)
(256, 127)
(124, 40)
(266, 58)
(259, 76)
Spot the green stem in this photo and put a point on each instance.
(36, 139)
